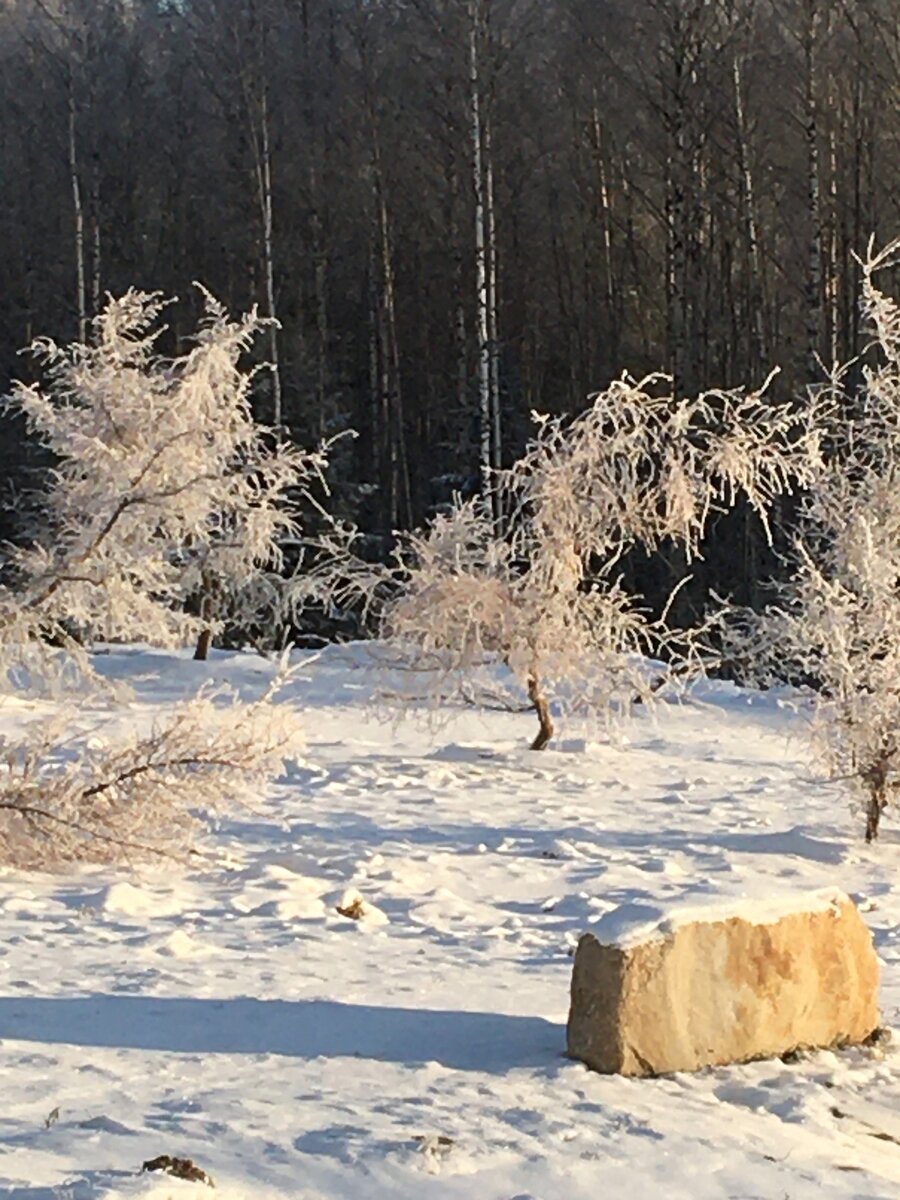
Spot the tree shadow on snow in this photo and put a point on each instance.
(464, 1041)
(827, 848)
(32, 1193)
(35, 1193)
(88, 1186)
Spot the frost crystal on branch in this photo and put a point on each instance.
(103, 798)
(541, 594)
(838, 622)
(166, 491)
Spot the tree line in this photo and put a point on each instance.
(459, 211)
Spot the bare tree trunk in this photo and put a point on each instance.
(256, 106)
(859, 141)
(312, 123)
(482, 324)
(833, 282)
(676, 234)
(380, 387)
(675, 272)
(399, 493)
(386, 359)
(264, 176)
(632, 257)
(493, 333)
(203, 644)
(605, 215)
(97, 263)
(698, 259)
(378, 390)
(400, 466)
(320, 268)
(81, 295)
(459, 311)
(811, 128)
(204, 638)
(874, 809)
(877, 783)
(756, 290)
(542, 708)
(756, 302)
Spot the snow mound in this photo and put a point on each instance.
(139, 901)
(180, 945)
(276, 891)
(636, 922)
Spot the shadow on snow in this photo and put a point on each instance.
(463, 1041)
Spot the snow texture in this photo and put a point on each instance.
(234, 1017)
(634, 923)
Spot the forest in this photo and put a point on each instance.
(459, 212)
(449, 565)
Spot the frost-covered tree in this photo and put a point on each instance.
(168, 501)
(837, 623)
(106, 797)
(541, 594)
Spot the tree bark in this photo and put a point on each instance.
(814, 251)
(492, 322)
(264, 177)
(81, 294)
(833, 282)
(876, 780)
(399, 492)
(461, 349)
(604, 212)
(320, 273)
(542, 708)
(97, 265)
(876, 805)
(756, 289)
(482, 323)
(400, 486)
(203, 644)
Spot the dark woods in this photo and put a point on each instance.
(459, 212)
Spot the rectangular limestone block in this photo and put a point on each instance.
(653, 993)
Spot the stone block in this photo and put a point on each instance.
(654, 993)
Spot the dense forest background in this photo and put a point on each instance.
(460, 211)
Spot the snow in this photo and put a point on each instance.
(233, 1016)
(630, 924)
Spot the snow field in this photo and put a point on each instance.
(233, 1016)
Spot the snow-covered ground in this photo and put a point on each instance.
(235, 1017)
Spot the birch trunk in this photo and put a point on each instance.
(319, 250)
(264, 175)
(481, 272)
(833, 282)
(400, 490)
(814, 203)
(80, 293)
(604, 212)
(756, 288)
(492, 314)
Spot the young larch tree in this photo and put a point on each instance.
(167, 499)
